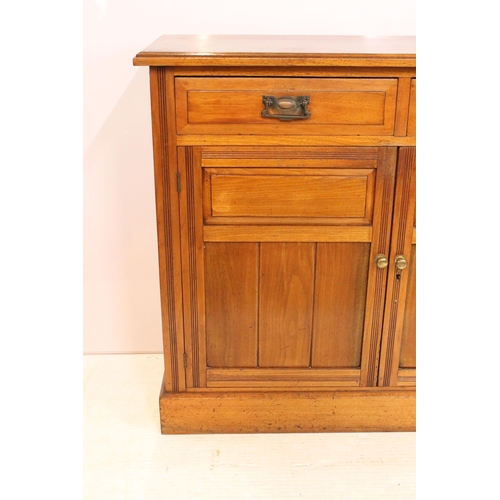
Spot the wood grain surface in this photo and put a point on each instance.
(192, 266)
(286, 304)
(278, 50)
(168, 230)
(408, 357)
(402, 107)
(339, 304)
(282, 377)
(338, 106)
(289, 157)
(412, 117)
(248, 412)
(299, 193)
(284, 233)
(377, 278)
(293, 140)
(231, 294)
(398, 280)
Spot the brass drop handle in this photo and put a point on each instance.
(286, 108)
(381, 261)
(401, 262)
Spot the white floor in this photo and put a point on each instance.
(126, 457)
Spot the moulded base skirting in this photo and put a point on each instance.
(356, 410)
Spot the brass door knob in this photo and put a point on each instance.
(381, 261)
(401, 262)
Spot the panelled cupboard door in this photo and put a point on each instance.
(280, 285)
(398, 352)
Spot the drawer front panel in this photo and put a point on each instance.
(338, 106)
(257, 195)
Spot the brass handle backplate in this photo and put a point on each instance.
(286, 108)
(401, 262)
(381, 261)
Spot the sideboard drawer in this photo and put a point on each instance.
(337, 106)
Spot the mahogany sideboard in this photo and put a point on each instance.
(285, 197)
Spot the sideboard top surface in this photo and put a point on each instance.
(278, 50)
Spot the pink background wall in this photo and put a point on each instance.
(121, 291)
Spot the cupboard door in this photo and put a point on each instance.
(398, 351)
(279, 291)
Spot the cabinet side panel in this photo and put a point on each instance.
(167, 213)
(286, 304)
(231, 286)
(339, 304)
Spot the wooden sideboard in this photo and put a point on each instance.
(285, 196)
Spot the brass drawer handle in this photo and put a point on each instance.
(286, 108)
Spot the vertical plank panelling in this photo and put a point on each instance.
(339, 304)
(231, 287)
(408, 341)
(286, 304)
(167, 213)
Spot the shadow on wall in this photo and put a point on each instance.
(121, 289)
